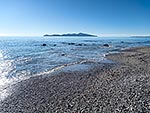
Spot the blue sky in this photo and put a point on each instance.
(101, 17)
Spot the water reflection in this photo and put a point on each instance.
(5, 68)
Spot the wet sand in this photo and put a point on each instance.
(122, 87)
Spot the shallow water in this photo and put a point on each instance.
(24, 57)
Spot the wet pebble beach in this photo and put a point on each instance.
(120, 87)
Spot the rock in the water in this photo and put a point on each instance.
(63, 54)
(71, 43)
(79, 45)
(106, 45)
(44, 44)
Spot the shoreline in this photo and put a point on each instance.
(110, 87)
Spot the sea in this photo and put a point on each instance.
(25, 57)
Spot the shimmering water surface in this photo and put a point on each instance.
(24, 57)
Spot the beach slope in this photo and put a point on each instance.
(121, 87)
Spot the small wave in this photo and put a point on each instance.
(23, 59)
(62, 66)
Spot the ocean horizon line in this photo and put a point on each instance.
(98, 36)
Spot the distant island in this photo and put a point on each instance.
(73, 34)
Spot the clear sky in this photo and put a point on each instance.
(101, 17)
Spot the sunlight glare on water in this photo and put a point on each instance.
(5, 68)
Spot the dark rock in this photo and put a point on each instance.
(54, 44)
(44, 44)
(79, 45)
(106, 45)
(63, 54)
(71, 43)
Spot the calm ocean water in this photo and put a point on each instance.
(24, 57)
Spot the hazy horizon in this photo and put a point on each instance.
(103, 35)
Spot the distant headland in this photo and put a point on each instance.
(73, 34)
(140, 36)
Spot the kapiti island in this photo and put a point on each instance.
(72, 34)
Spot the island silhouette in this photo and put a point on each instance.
(72, 34)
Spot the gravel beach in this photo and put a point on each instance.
(121, 87)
